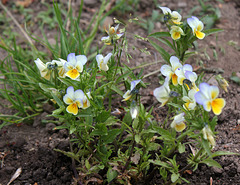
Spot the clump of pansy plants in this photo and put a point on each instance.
(99, 102)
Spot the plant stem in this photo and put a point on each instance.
(190, 165)
(129, 158)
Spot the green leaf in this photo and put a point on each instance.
(135, 123)
(166, 42)
(164, 133)
(117, 90)
(211, 162)
(219, 153)
(88, 166)
(59, 102)
(58, 111)
(205, 145)
(165, 55)
(211, 31)
(137, 138)
(69, 154)
(174, 177)
(177, 106)
(103, 116)
(160, 163)
(111, 136)
(160, 34)
(111, 174)
(181, 148)
(72, 129)
(236, 79)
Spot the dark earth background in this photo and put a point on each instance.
(30, 146)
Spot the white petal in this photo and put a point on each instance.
(200, 98)
(104, 67)
(82, 59)
(179, 71)
(116, 28)
(70, 92)
(71, 58)
(175, 63)
(179, 118)
(99, 58)
(41, 66)
(105, 38)
(213, 92)
(186, 99)
(134, 84)
(192, 76)
(176, 16)
(165, 10)
(192, 93)
(166, 70)
(79, 94)
(187, 67)
(106, 58)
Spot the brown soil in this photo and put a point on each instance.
(30, 146)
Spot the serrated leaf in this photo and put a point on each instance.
(135, 123)
(111, 136)
(164, 133)
(88, 166)
(137, 138)
(111, 174)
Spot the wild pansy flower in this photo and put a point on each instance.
(208, 135)
(43, 69)
(186, 76)
(222, 82)
(102, 61)
(74, 100)
(112, 35)
(180, 72)
(174, 16)
(163, 93)
(207, 97)
(190, 100)
(197, 26)
(176, 32)
(85, 99)
(178, 122)
(60, 66)
(74, 65)
(169, 71)
(130, 92)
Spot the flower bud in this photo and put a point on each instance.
(222, 82)
(134, 110)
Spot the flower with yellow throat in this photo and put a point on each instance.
(74, 65)
(176, 32)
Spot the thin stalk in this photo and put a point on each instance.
(190, 165)
(130, 155)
